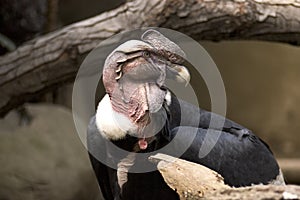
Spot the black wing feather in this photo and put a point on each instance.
(241, 162)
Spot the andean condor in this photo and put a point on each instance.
(140, 115)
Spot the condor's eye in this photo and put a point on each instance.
(146, 54)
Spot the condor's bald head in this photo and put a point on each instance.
(135, 73)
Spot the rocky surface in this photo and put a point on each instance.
(44, 159)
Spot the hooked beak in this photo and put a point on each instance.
(179, 73)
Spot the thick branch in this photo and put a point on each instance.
(193, 181)
(52, 59)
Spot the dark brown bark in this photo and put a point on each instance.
(53, 59)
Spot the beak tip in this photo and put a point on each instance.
(184, 75)
(180, 73)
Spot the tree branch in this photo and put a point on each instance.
(52, 59)
(193, 181)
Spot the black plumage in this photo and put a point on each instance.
(239, 156)
(236, 153)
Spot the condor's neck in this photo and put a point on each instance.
(119, 129)
(131, 101)
(111, 124)
(123, 113)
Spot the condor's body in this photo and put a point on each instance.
(140, 115)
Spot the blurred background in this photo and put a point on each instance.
(41, 155)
